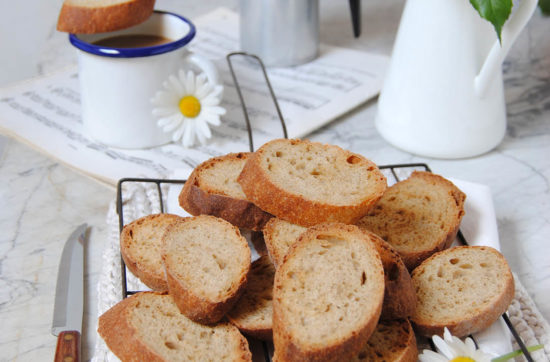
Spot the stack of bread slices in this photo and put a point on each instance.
(352, 266)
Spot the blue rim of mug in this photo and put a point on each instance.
(136, 52)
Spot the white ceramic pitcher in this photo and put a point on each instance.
(443, 94)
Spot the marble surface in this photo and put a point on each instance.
(43, 201)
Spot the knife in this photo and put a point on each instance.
(69, 298)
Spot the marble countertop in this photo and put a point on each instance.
(43, 201)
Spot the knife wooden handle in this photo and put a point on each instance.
(68, 347)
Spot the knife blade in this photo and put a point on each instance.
(69, 297)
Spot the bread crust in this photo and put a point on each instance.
(200, 309)
(474, 321)
(413, 258)
(285, 347)
(154, 279)
(199, 199)
(383, 347)
(273, 247)
(90, 20)
(234, 316)
(262, 191)
(399, 295)
(123, 339)
(196, 307)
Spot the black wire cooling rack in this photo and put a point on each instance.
(393, 173)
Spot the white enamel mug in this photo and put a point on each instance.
(117, 84)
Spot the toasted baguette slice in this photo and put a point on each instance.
(212, 189)
(399, 297)
(279, 235)
(308, 183)
(253, 312)
(464, 288)
(328, 295)
(149, 327)
(207, 261)
(391, 341)
(418, 216)
(99, 16)
(141, 248)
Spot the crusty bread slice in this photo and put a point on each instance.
(212, 189)
(207, 261)
(465, 289)
(99, 16)
(141, 248)
(391, 341)
(279, 235)
(328, 295)
(149, 327)
(418, 216)
(399, 297)
(308, 183)
(253, 312)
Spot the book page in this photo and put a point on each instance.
(45, 112)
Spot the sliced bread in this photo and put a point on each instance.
(212, 189)
(149, 327)
(141, 248)
(308, 183)
(399, 295)
(399, 298)
(253, 312)
(279, 235)
(327, 295)
(464, 288)
(206, 261)
(99, 16)
(391, 341)
(418, 216)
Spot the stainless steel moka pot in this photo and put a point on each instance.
(285, 32)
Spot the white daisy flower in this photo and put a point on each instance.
(452, 349)
(186, 106)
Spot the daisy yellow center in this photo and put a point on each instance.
(190, 106)
(462, 359)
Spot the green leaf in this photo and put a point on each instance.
(494, 11)
(544, 6)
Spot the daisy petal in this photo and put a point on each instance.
(431, 356)
(200, 82)
(190, 83)
(443, 347)
(220, 111)
(176, 86)
(164, 99)
(212, 119)
(178, 133)
(201, 138)
(203, 128)
(174, 120)
(188, 134)
(205, 90)
(164, 111)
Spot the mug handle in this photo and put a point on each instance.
(498, 52)
(206, 65)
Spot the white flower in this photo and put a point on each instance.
(187, 105)
(451, 348)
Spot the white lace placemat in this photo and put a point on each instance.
(140, 199)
